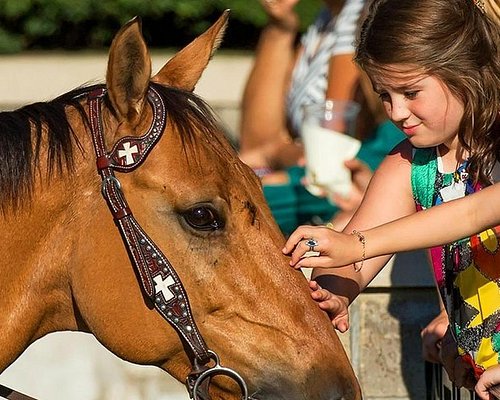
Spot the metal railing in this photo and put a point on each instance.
(439, 387)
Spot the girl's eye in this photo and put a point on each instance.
(384, 97)
(411, 94)
(203, 218)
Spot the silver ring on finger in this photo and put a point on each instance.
(312, 243)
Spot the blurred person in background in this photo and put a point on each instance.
(285, 78)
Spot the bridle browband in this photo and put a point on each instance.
(159, 280)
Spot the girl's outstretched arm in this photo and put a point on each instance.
(388, 197)
(438, 225)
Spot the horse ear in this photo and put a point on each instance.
(185, 68)
(129, 72)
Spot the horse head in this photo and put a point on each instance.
(192, 205)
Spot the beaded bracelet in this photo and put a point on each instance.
(362, 239)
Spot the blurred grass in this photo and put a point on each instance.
(91, 24)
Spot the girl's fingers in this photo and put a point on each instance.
(342, 325)
(300, 233)
(314, 285)
(321, 295)
(312, 246)
(306, 248)
(313, 262)
(290, 242)
(340, 319)
(299, 252)
(333, 306)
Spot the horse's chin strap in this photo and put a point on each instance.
(158, 278)
(11, 394)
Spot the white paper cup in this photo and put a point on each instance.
(327, 136)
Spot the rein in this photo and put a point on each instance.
(158, 278)
(11, 394)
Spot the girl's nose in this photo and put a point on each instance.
(399, 111)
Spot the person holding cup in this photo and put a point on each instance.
(284, 80)
(328, 136)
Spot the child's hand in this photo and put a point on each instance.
(335, 307)
(432, 335)
(485, 387)
(332, 249)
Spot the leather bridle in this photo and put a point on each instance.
(158, 279)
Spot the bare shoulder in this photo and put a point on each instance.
(402, 151)
(389, 194)
(397, 164)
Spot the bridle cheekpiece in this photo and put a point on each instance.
(158, 279)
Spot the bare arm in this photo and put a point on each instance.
(265, 139)
(388, 197)
(345, 76)
(263, 103)
(438, 225)
(263, 120)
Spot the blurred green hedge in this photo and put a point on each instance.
(78, 24)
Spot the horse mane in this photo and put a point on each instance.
(21, 136)
(194, 119)
(23, 132)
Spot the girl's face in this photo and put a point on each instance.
(421, 105)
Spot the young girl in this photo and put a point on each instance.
(480, 211)
(436, 66)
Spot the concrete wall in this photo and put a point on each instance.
(384, 339)
(383, 342)
(32, 77)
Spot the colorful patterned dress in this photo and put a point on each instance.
(467, 271)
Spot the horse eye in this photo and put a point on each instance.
(203, 218)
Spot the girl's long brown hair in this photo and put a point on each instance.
(454, 41)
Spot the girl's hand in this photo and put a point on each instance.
(431, 337)
(332, 249)
(335, 306)
(486, 385)
(282, 13)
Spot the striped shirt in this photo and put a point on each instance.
(325, 38)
